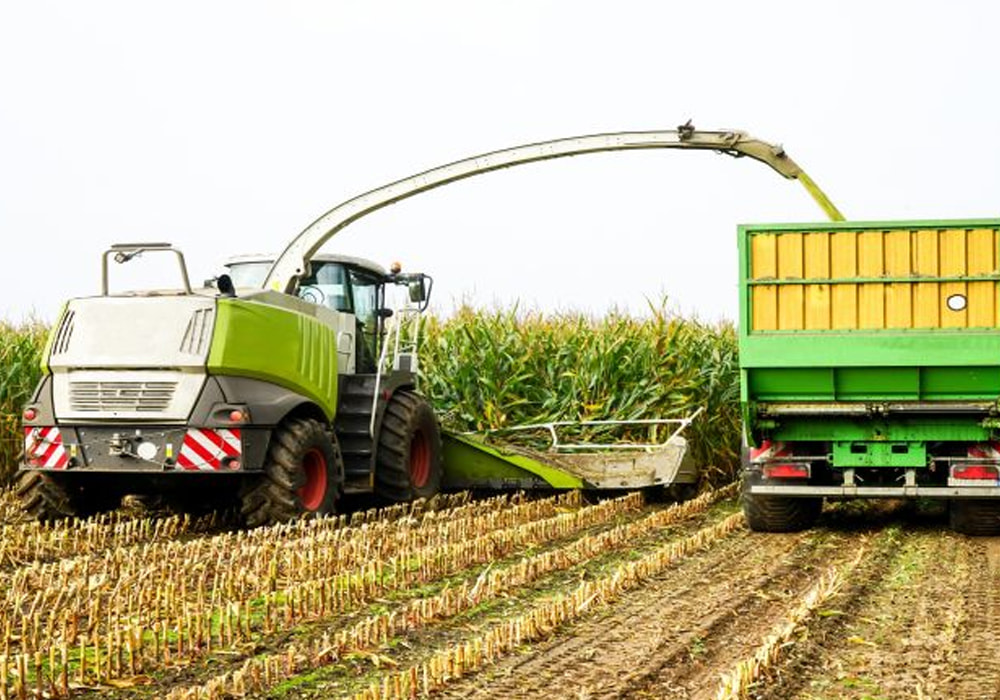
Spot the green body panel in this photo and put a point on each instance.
(277, 345)
(875, 383)
(899, 429)
(469, 463)
(879, 454)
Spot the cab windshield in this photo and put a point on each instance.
(248, 274)
(326, 286)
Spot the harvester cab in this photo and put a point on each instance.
(359, 288)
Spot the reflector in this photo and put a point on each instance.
(975, 471)
(786, 471)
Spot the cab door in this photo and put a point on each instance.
(366, 292)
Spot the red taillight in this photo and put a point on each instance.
(237, 416)
(984, 472)
(786, 471)
(30, 414)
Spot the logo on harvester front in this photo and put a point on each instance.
(43, 447)
(209, 450)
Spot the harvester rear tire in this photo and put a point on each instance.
(44, 498)
(303, 475)
(408, 463)
(779, 513)
(978, 517)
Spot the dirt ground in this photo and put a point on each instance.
(917, 618)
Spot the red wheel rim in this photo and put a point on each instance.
(420, 461)
(313, 491)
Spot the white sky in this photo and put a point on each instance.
(226, 127)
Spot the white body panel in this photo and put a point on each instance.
(132, 358)
(148, 332)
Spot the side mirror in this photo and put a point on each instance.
(225, 286)
(418, 290)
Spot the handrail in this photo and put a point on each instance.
(552, 427)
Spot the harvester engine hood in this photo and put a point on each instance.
(138, 358)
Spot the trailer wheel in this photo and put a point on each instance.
(408, 463)
(43, 497)
(302, 475)
(975, 516)
(778, 513)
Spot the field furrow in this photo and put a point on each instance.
(508, 597)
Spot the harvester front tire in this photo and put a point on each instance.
(779, 513)
(978, 517)
(43, 497)
(408, 463)
(302, 475)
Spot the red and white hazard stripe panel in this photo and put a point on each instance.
(768, 451)
(205, 448)
(43, 447)
(985, 450)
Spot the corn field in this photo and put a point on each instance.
(486, 370)
(20, 355)
(111, 599)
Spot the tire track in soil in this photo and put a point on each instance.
(667, 620)
(802, 671)
(976, 662)
(899, 641)
(728, 638)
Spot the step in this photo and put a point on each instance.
(355, 404)
(357, 484)
(353, 425)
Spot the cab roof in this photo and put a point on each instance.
(319, 257)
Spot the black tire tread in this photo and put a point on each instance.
(43, 498)
(392, 473)
(779, 513)
(976, 517)
(272, 498)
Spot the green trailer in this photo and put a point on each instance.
(870, 367)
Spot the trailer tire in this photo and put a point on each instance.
(44, 498)
(978, 517)
(778, 513)
(408, 463)
(303, 474)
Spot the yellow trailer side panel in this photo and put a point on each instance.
(817, 267)
(898, 296)
(844, 263)
(763, 257)
(874, 279)
(982, 295)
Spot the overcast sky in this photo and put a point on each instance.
(226, 127)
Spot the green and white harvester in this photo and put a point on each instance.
(291, 380)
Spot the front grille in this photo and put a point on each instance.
(138, 397)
